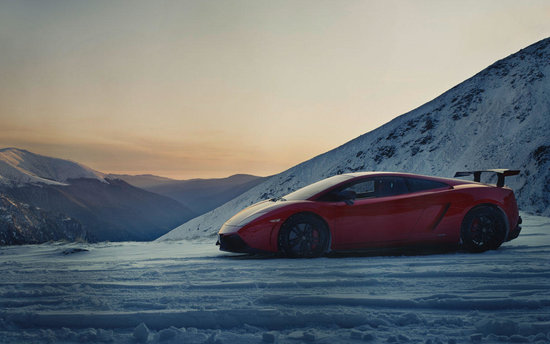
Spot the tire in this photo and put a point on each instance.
(303, 236)
(483, 228)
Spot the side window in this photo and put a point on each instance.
(417, 185)
(363, 189)
(390, 186)
(370, 188)
(378, 187)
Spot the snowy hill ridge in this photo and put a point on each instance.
(499, 118)
(20, 167)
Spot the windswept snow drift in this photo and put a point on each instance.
(499, 118)
(188, 292)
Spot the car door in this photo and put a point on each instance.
(380, 216)
(432, 198)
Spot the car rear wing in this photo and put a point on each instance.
(500, 172)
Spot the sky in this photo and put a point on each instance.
(207, 89)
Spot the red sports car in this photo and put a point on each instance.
(378, 210)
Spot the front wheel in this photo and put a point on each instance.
(483, 228)
(303, 236)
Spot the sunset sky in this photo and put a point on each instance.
(200, 89)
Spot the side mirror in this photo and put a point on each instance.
(347, 196)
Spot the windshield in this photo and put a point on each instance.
(311, 190)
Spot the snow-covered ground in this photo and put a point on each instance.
(189, 292)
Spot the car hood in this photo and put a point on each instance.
(254, 210)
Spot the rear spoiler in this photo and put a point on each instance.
(501, 174)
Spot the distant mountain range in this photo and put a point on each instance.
(499, 118)
(44, 198)
(198, 195)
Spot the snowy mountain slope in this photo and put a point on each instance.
(189, 292)
(19, 167)
(499, 118)
(22, 223)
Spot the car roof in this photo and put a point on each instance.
(450, 181)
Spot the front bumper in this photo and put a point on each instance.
(232, 243)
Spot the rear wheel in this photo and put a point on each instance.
(303, 236)
(483, 228)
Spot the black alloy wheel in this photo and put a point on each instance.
(303, 236)
(483, 228)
